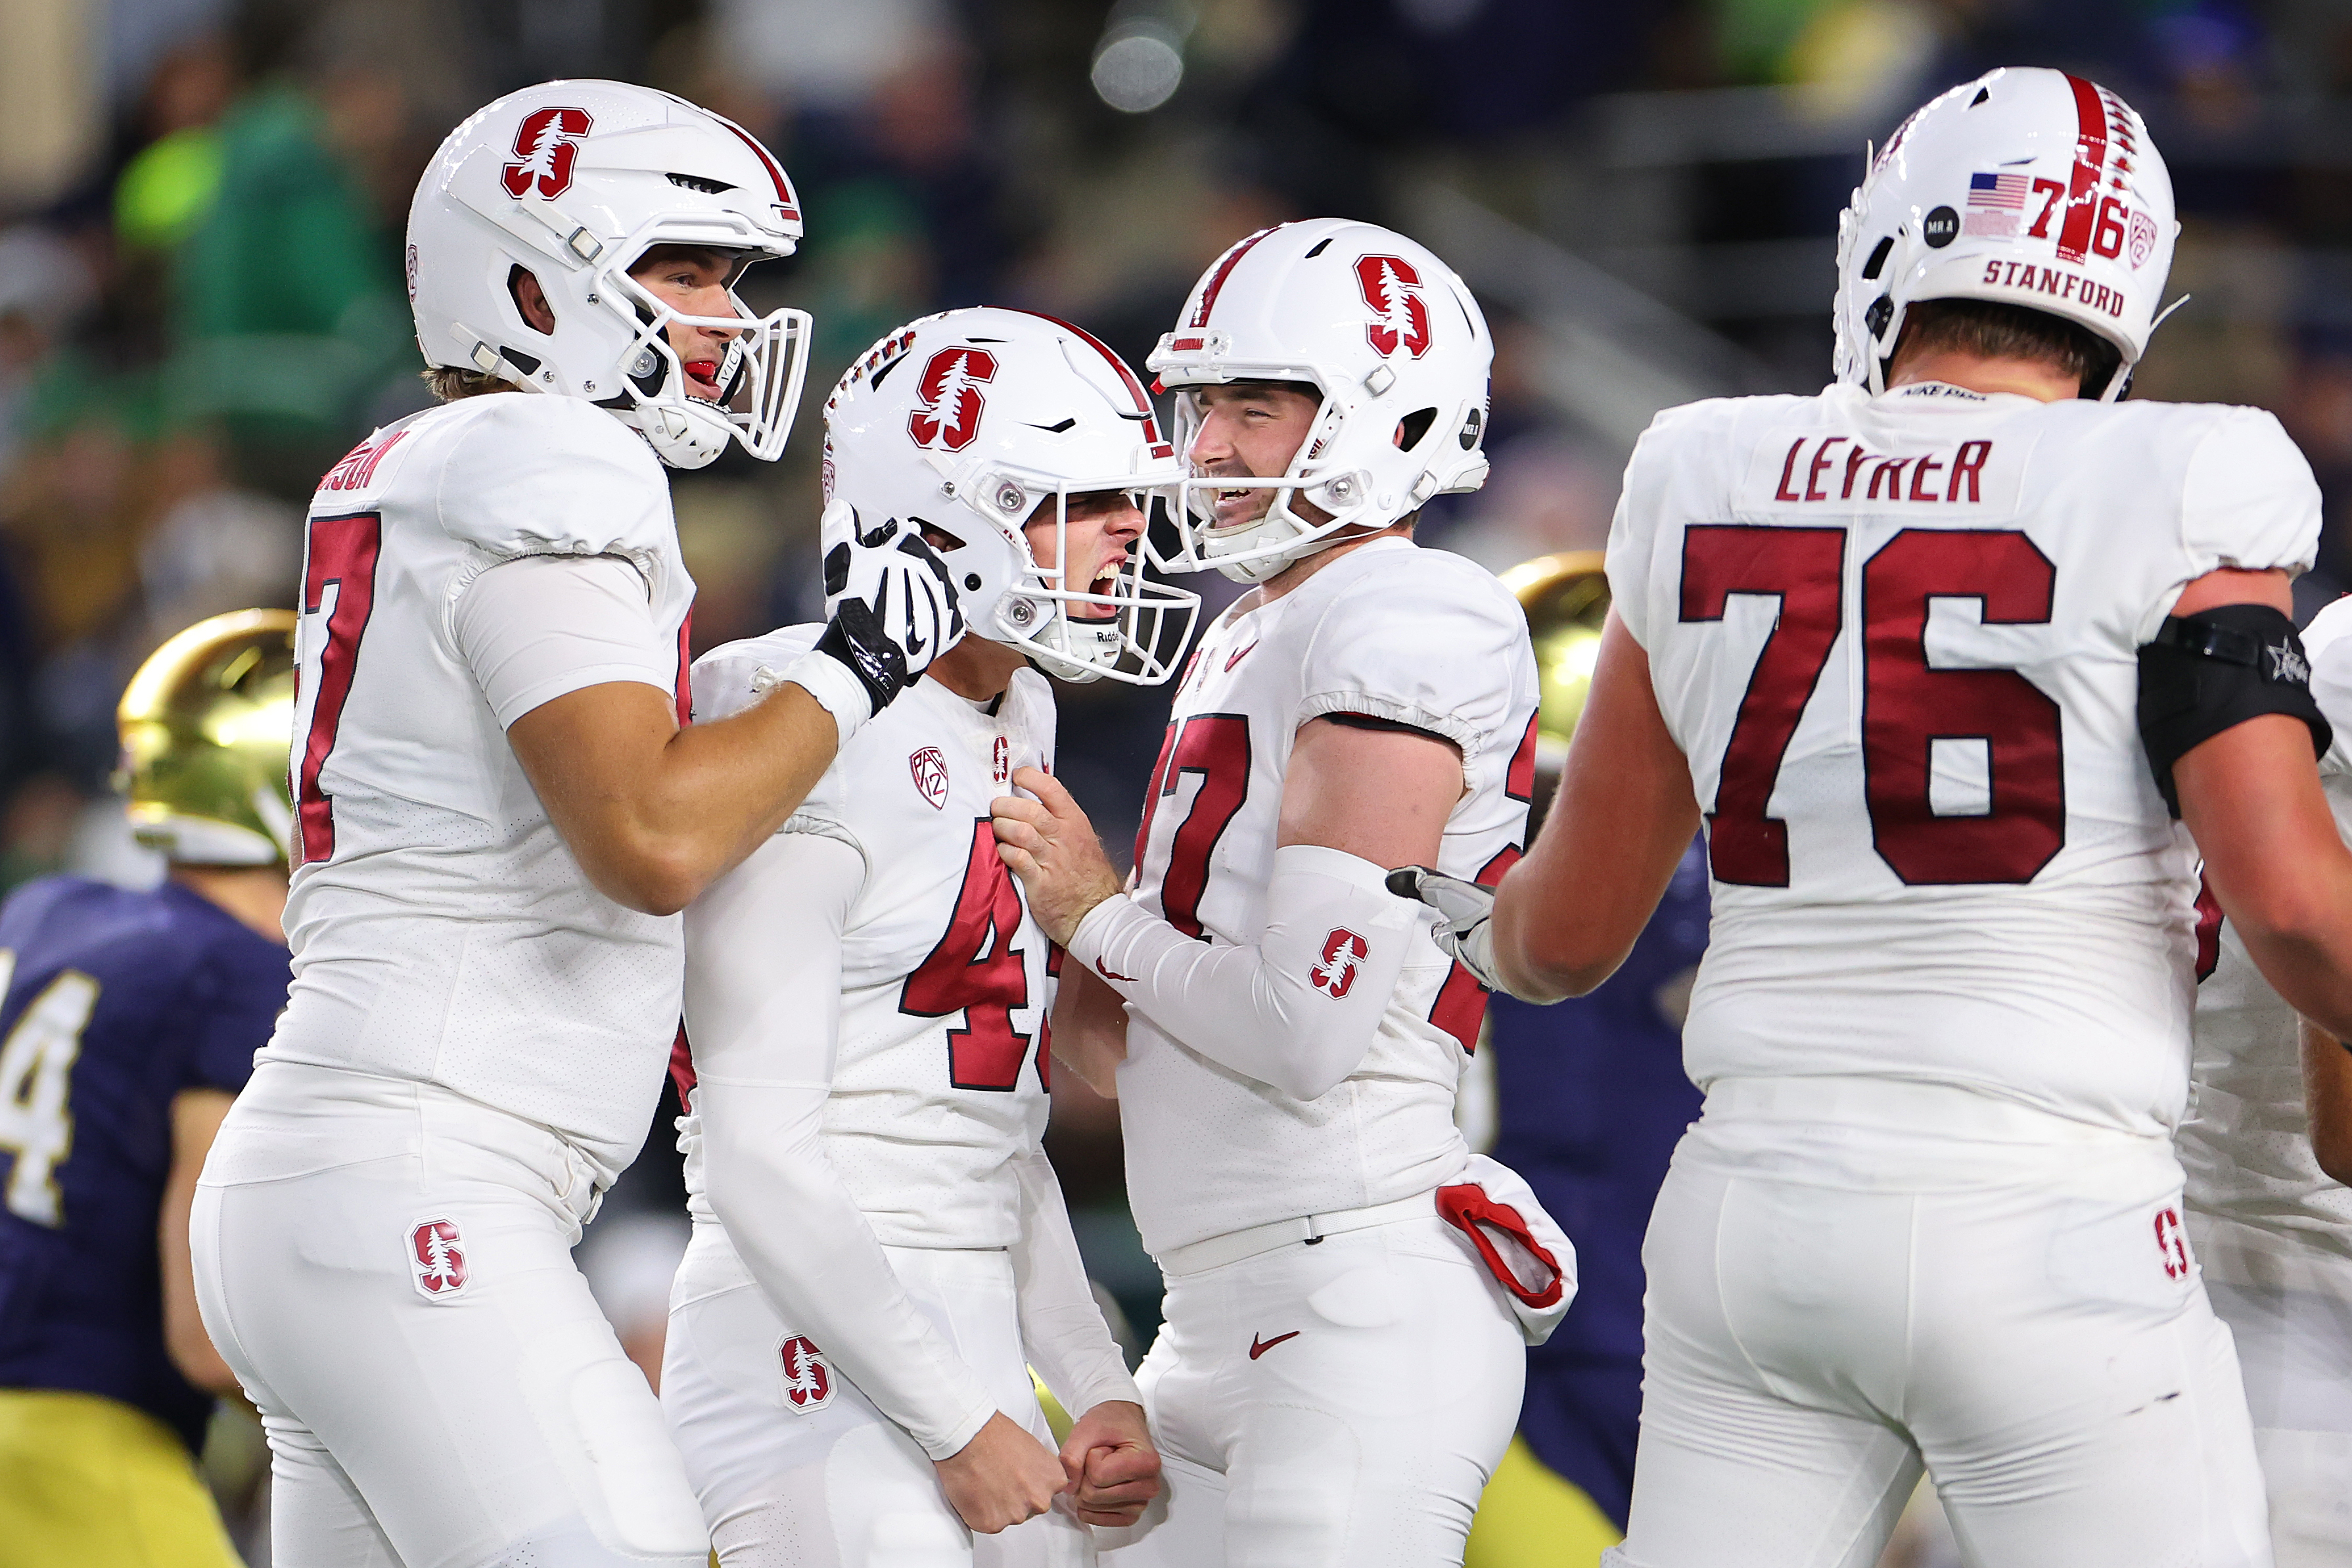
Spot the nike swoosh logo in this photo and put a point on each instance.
(1106, 974)
(1239, 656)
(1259, 1347)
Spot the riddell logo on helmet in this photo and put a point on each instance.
(949, 415)
(548, 144)
(1392, 286)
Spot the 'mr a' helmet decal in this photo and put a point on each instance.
(1391, 288)
(948, 415)
(547, 143)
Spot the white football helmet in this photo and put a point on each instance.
(574, 182)
(2027, 186)
(966, 421)
(1400, 350)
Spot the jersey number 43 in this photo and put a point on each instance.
(1908, 704)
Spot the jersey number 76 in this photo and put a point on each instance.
(1908, 704)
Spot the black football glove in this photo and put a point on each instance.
(892, 606)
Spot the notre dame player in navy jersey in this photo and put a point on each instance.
(128, 1022)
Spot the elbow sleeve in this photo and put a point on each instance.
(1296, 1010)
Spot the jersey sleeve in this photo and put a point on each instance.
(2328, 643)
(2248, 499)
(535, 628)
(1418, 644)
(552, 476)
(230, 1008)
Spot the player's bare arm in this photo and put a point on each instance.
(654, 813)
(1567, 915)
(196, 1116)
(1089, 1029)
(2250, 798)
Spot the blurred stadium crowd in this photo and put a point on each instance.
(200, 301)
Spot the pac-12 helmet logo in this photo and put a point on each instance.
(1343, 954)
(547, 143)
(1392, 286)
(949, 415)
(437, 1257)
(808, 1381)
(930, 770)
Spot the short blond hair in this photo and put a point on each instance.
(449, 382)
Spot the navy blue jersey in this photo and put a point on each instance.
(115, 1001)
(1591, 1099)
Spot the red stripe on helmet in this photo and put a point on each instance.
(1160, 445)
(789, 203)
(1217, 278)
(2090, 157)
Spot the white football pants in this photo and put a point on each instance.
(1333, 1405)
(388, 1267)
(1836, 1297)
(2294, 1344)
(796, 1467)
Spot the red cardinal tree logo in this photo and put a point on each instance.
(437, 1258)
(949, 415)
(1391, 288)
(1343, 954)
(547, 143)
(808, 1381)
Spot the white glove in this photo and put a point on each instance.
(906, 612)
(1466, 912)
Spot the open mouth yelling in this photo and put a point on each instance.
(703, 380)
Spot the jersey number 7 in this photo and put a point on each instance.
(1907, 703)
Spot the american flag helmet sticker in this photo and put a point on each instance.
(1996, 204)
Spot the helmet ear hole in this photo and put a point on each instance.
(1878, 261)
(1414, 427)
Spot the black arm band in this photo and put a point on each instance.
(2211, 671)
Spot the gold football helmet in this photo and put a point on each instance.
(1565, 597)
(206, 725)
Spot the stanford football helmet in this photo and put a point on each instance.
(574, 182)
(966, 421)
(2027, 186)
(1398, 348)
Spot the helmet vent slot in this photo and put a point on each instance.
(1878, 258)
(1414, 427)
(1318, 247)
(1984, 95)
(696, 182)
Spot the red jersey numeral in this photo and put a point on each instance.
(1908, 704)
(1217, 747)
(1801, 568)
(975, 970)
(341, 555)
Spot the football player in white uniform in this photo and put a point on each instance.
(1945, 651)
(1347, 1286)
(879, 1241)
(497, 818)
(2267, 1147)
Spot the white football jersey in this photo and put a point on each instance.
(1897, 639)
(1389, 631)
(946, 981)
(2273, 1218)
(441, 929)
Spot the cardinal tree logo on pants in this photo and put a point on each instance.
(547, 143)
(1343, 954)
(808, 1381)
(1392, 286)
(437, 1257)
(948, 415)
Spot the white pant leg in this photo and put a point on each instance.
(493, 1420)
(2295, 1349)
(1809, 1344)
(1366, 1438)
(826, 1480)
